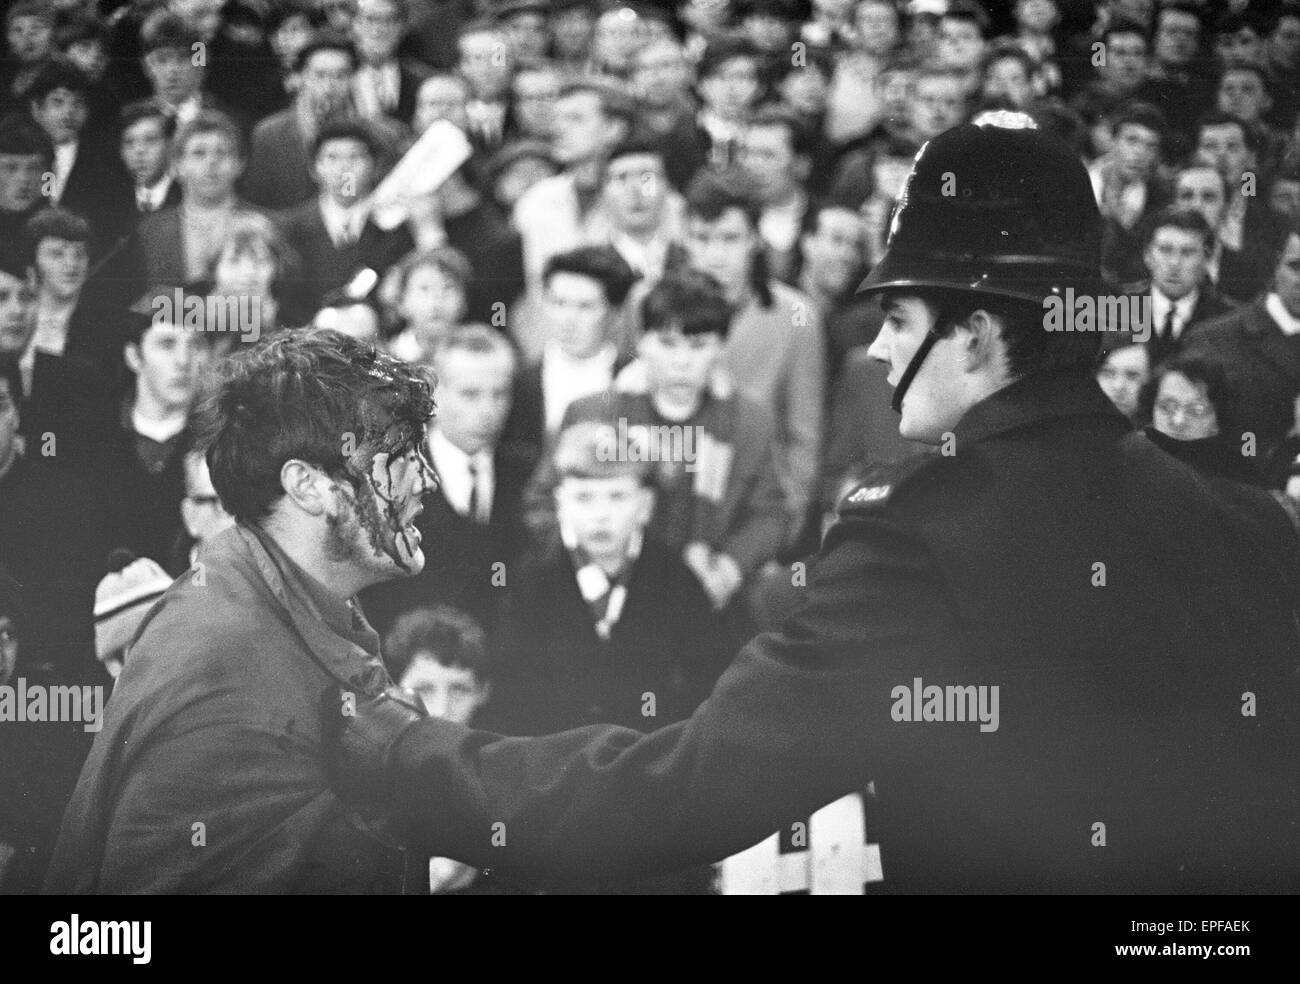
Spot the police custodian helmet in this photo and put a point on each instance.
(993, 207)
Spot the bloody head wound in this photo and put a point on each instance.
(321, 397)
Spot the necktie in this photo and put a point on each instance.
(472, 511)
(1167, 329)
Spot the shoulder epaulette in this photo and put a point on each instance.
(881, 482)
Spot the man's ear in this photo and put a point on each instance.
(305, 486)
(131, 356)
(981, 340)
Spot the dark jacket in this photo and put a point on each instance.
(553, 671)
(279, 175)
(1121, 706)
(1262, 365)
(467, 564)
(217, 720)
(326, 266)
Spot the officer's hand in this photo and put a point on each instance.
(366, 739)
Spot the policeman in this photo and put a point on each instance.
(1063, 663)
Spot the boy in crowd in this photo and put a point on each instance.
(168, 362)
(65, 321)
(440, 654)
(719, 504)
(145, 147)
(26, 154)
(29, 43)
(608, 623)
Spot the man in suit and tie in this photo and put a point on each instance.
(280, 163)
(1176, 249)
(179, 245)
(334, 233)
(175, 75)
(1258, 346)
(487, 62)
(384, 85)
(475, 516)
(145, 147)
(86, 178)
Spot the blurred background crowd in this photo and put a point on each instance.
(652, 247)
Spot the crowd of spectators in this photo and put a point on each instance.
(636, 287)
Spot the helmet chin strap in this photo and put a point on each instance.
(914, 367)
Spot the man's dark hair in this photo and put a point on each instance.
(146, 109)
(725, 49)
(616, 103)
(56, 223)
(346, 129)
(448, 634)
(636, 147)
(603, 264)
(1175, 217)
(712, 193)
(82, 27)
(969, 11)
(324, 41)
(1123, 25)
(209, 121)
(687, 301)
(163, 29)
(1139, 113)
(57, 73)
(21, 137)
(1030, 347)
(310, 394)
(1248, 134)
(1210, 374)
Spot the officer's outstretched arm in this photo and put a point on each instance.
(798, 719)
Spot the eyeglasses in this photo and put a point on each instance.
(1192, 411)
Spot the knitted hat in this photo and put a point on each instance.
(122, 600)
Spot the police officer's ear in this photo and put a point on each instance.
(980, 336)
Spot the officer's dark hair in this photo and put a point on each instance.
(1177, 217)
(1208, 373)
(451, 636)
(712, 193)
(687, 301)
(346, 129)
(56, 223)
(603, 264)
(1125, 26)
(797, 132)
(20, 137)
(969, 11)
(1216, 118)
(145, 109)
(1030, 348)
(57, 73)
(301, 394)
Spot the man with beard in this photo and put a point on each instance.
(209, 774)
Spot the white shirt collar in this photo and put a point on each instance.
(341, 219)
(1285, 320)
(452, 465)
(1183, 308)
